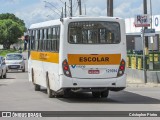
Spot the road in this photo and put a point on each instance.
(17, 94)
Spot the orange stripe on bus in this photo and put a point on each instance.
(45, 56)
(94, 59)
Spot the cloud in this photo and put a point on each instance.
(126, 10)
(10, 1)
(38, 13)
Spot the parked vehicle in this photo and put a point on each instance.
(3, 68)
(15, 61)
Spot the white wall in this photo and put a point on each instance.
(130, 28)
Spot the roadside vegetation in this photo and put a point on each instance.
(4, 52)
(11, 29)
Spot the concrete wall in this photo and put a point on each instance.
(136, 76)
(153, 76)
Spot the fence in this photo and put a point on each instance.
(152, 61)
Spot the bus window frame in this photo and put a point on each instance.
(68, 33)
(42, 43)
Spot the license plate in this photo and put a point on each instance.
(93, 71)
(13, 66)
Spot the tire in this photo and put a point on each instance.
(23, 70)
(37, 87)
(33, 76)
(105, 94)
(1, 75)
(66, 93)
(96, 94)
(117, 89)
(49, 91)
(5, 75)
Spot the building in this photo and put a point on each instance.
(133, 35)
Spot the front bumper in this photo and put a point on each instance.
(15, 66)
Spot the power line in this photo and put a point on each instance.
(64, 3)
(52, 10)
(52, 5)
(76, 9)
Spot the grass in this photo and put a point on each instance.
(4, 52)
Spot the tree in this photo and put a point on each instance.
(11, 28)
(14, 18)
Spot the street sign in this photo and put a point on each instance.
(142, 20)
(149, 32)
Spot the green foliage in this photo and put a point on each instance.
(11, 28)
(14, 18)
(4, 52)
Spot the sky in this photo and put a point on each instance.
(33, 11)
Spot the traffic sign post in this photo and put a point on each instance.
(143, 21)
(144, 59)
(149, 32)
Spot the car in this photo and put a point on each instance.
(3, 68)
(15, 61)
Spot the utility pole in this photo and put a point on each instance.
(145, 12)
(85, 9)
(110, 8)
(70, 8)
(65, 10)
(62, 13)
(151, 12)
(80, 7)
(145, 43)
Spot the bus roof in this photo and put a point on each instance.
(58, 22)
(45, 24)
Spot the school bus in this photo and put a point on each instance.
(78, 54)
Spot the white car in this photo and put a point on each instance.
(3, 68)
(15, 61)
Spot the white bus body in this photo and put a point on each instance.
(80, 54)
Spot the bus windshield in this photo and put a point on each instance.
(14, 57)
(94, 32)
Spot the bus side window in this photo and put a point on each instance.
(37, 37)
(71, 39)
(33, 42)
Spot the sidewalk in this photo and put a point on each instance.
(139, 84)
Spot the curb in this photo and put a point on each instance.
(143, 85)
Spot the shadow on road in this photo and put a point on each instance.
(3, 85)
(122, 97)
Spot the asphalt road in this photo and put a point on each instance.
(17, 94)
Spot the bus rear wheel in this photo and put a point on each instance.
(105, 94)
(96, 94)
(37, 87)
